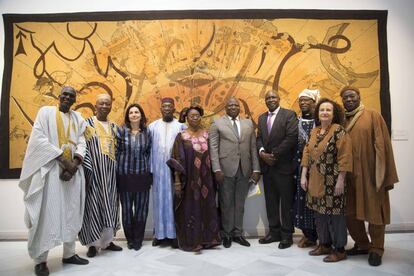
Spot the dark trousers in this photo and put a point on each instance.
(358, 233)
(310, 234)
(331, 230)
(279, 191)
(232, 195)
(134, 215)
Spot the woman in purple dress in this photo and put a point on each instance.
(196, 215)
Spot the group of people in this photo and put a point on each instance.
(323, 172)
(346, 170)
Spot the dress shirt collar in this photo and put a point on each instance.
(274, 112)
(237, 119)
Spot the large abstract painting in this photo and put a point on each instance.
(196, 57)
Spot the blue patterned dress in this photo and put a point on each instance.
(303, 216)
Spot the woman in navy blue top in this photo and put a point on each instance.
(133, 174)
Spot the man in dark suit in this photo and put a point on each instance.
(234, 161)
(277, 138)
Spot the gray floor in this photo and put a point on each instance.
(235, 261)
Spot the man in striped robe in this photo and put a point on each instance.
(101, 218)
(53, 181)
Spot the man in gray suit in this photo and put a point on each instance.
(234, 161)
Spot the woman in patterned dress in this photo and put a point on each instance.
(196, 215)
(326, 159)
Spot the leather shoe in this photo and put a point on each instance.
(137, 246)
(241, 240)
(226, 242)
(283, 244)
(269, 239)
(374, 259)
(113, 247)
(156, 242)
(75, 259)
(356, 250)
(321, 250)
(174, 243)
(305, 242)
(334, 257)
(41, 269)
(91, 252)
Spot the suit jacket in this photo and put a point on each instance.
(281, 141)
(227, 151)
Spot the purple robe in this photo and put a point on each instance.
(196, 215)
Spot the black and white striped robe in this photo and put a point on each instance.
(102, 200)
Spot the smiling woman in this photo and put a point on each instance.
(134, 178)
(326, 159)
(195, 210)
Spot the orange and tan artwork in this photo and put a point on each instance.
(194, 61)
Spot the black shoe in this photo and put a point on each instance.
(137, 246)
(226, 242)
(156, 242)
(356, 250)
(269, 239)
(75, 259)
(91, 252)
(130, 245)
(241, 240)
(374, 259)
(283, 244)
(113, 247)
(174, 243)
(41, 269)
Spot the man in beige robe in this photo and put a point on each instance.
(374, 174)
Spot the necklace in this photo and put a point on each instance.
(320, 136)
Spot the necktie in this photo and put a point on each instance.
(236, 129)
(269, 121)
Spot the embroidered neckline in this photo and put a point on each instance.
(64, 135)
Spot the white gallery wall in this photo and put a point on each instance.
(400, 57)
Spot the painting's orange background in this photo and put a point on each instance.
(193, 61)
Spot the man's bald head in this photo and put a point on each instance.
(103, 106)
(103, 96)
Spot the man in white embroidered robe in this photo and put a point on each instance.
(53, 181)
(163, 132)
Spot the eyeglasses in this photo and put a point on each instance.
(305, 100)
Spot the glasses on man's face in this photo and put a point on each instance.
(305, 100)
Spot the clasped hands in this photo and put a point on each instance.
(69, 167)
(268, 158)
